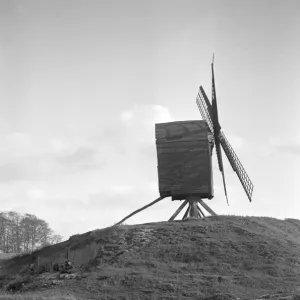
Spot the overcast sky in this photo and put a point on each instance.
(82, 84)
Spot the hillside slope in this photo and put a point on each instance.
(224, 255)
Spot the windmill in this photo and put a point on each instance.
(184, 151)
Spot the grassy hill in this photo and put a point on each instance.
(222, 257)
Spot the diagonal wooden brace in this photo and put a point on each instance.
(179, 210)
(138, 210)
(187, 212)
(207, 207)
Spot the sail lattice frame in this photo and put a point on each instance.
(237, 166)
(205, 108)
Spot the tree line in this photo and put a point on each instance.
(24, 233)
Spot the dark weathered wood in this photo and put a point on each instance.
(184, 159)
(179, 210)
(138, 210)
(185, 168)
(181, 130)
(207, 207)
(186, 212)
(193, 200)
(194, 209)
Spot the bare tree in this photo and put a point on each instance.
(24, 233)
(14, 219)
(55, 238)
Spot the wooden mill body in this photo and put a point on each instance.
(184, 151)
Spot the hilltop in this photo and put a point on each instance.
(220, 257)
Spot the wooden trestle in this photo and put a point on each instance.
(193, 210)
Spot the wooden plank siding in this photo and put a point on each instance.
(181, 131)
(184, 159)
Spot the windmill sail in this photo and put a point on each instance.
(206, 111)
(208, 104)
(214, 106)
(209, 113)
(217, 128)
(237, 166)
(205, 108)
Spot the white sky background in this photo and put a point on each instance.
(82, 84)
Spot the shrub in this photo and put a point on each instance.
(43, 268)
(18, 283)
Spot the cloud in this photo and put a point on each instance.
(12, 171)
(133, 129)
(286, 143)
(35, 193)
(81, 159)
(150, 113)
(23, 144)
(137, 126)
(124, 196)
(29, 157)
(127, 115)
(162, 114)
(121, 189)
(146, 115)
(236, 142)
(220, 188)
(26, 169)
(34, 157)
(40, 173)
(81, 155)
(289, 148)
(46, 166)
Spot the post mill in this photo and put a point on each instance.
(184, 152)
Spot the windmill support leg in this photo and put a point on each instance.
(200, 211)
(194, 211)
(186, 213)
(138, 210)
(207, 207)
(196, 204)
(178, 210)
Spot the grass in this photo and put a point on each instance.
(18, 283)
(60, 296)
(242, 256)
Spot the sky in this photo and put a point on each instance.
(82, 84)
